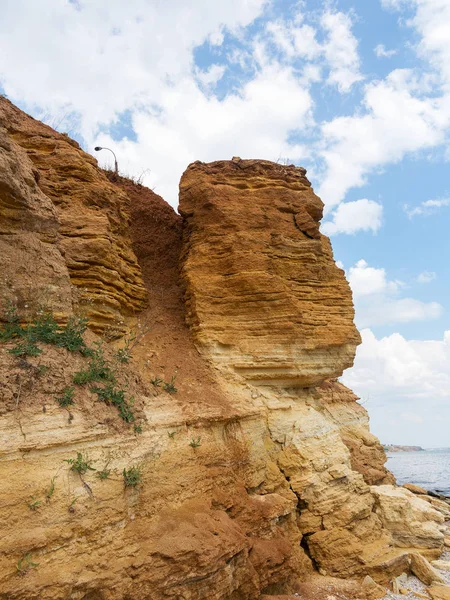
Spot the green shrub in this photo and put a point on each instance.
(170, 386)
(11, 328)
(111, 395)
(71, 337)
(156, 381)
(124, 354)
(195, 443)
(81, 464)
(98, 369)
(132, 477)
(103, 474)
(66, 399)
(25, 348)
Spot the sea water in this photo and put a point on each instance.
(429, 468)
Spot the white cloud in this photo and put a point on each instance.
(426, 277)
(381, 51)
(426, 208)
(396, 122)
(111, 57)
(192, 126)
(398, 367)
(379, 301)
(341, 51)
(351, 217)
(405, 386)
(211, 76)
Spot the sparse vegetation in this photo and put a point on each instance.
(25, 564)
(98, 369)
(43, 329)
(46, 330)
(132, 477)
(25, 348)
(11, 327)
(195, 443)
(41, 370)
(124, 354)
(138, 429)
(33, 504)
(81, 464)
(66, 398)
(170, 386)
(104, 473)
(171, 434)
(156, 381)
(111, 395)
(51, 490)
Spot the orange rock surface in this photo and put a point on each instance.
(63, 224)
(263, 293)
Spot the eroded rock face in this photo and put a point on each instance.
(263, 294)
(255, 471)
(62, 224)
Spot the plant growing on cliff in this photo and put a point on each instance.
(170, 386)
(81, 464)
(156, 381)
(43, 329)
(98, 369)
(51, 490)
(195, 443)
(25, 348)
(111, 395)
(66, 399)
(124, 354)
(25, 564)
(132, 477)
(11, 328)
(33, 504)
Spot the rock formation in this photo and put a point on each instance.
(255, 469)
(64, 228)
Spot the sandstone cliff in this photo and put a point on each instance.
(256, 468)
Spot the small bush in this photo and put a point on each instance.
(103, 474)
(138, 429)
(25, 348)
(98, 369)
(124, 354)
(71, 337)
(195, 443)
(44, 329)
(81, 464)
(11, 328)
(111, 395)
(132, 477)
(66, 399)
(170, 386)
(156, 381)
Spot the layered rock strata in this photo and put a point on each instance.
(64, 228)
(255, 465)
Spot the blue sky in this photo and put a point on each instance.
(357, 92)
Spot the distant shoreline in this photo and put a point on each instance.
(397, 448)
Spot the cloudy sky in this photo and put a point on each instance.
(356, 91)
